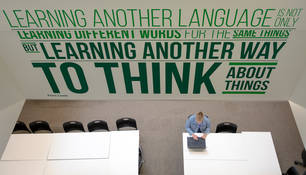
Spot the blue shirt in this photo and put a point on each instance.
(192, 125)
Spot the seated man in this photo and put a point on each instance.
(198, 123)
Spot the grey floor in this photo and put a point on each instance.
(161, 124)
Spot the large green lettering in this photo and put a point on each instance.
(108, 75)
(79, 72)
(142, 78)
(156, 77)
(182, 83)
(200, 79)
(46, 69)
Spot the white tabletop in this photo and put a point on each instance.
(27, 147)
(226, 146)
(78, 167)
(262, 153)
(22, 167)
(215, 167)
(122, 154)
(94, 145)
(257, 148)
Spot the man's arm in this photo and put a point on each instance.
(207, 130)
(188, 127)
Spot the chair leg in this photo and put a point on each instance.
(300, 163)
(141, 161)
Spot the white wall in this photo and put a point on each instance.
(8, 117)
(298, 105)
(299, 113)
(17, 63)
(11, 103)
(34, 85)
(299, 94)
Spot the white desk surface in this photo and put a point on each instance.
(215, 167)
(78, 167)
(124, 153)
(27, 147)
(22, 167)
(218, 147)
(262, 153)
(122, 157)
(94, 145)
(258, 150)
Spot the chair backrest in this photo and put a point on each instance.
(304, 157)
(189, 116)
(126, 122)
(40, 125)
(97, 125)
(20, 126)
(292, 171)
(226, 127)
(73, 126)
(140, 158)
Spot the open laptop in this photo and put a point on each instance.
(196, 144)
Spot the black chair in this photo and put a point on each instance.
(126, 122)
(20, 126)
(40, 125)
(140, 159)
(226, 127)
(291, 171)
(97, 125)
(73, 126)
(303, 163)
(189, 116)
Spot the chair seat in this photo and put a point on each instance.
(73, 126)
(226, 127)
(21, 128)
(74, 131)
(127, 128)
(42, 132)
(126, 123)
(40, 126)
(21, 132)
(101, 130)
(97, 125)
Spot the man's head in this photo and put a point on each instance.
(199, 117)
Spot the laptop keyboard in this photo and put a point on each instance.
(200, 143)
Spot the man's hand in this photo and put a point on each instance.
(195, 137)
(204, 136)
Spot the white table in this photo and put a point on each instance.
(94, 145)
(78, 167)
(57, 146)
(218, 147)
(22, 167)
(262, 153)
(27, 147)
(256, 155)
(122, 155)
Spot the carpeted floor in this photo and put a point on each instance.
(161, 124)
